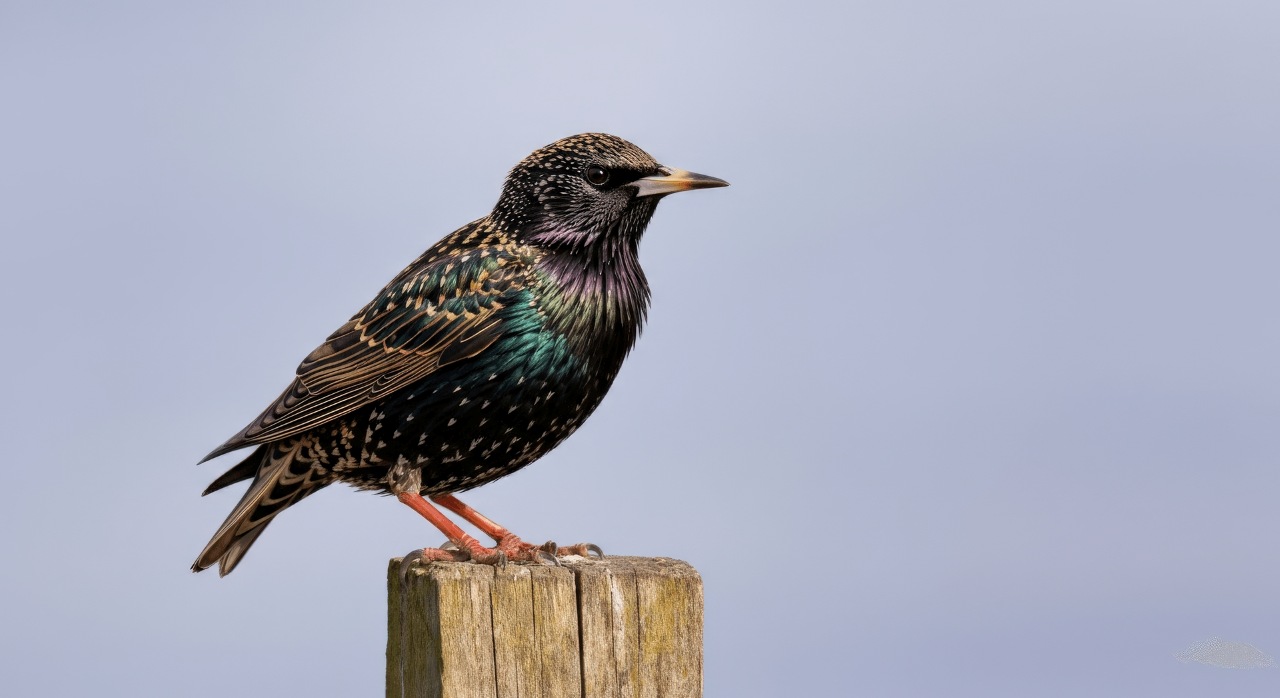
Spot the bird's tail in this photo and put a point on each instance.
(281, 477)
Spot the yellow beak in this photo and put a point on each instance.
(673, 180)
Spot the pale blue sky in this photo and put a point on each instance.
(967, 386)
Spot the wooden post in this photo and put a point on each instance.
(613, 628)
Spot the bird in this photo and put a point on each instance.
(477, 359)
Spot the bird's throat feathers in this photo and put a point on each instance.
(596, 295)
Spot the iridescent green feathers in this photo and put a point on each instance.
(442, 309)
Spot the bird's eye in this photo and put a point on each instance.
(597, 175)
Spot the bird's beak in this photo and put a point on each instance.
(672, 180)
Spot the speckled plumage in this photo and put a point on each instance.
(481, 356)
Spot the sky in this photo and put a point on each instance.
(967, 386)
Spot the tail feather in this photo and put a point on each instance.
(239, 546)
(244, 470)
(282, 479)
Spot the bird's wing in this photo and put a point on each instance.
(444, 312)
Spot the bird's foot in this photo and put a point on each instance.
(507, 543)
(517, 550)
(582, 549)
(509, 549)
(546, 553)
(463, 550)
(418, 557)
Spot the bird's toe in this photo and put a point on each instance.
(409, 561)
(418, 557)
(497, 558)
(589, 550)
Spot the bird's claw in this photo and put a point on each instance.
(509, 549)
(408, 563)
(545, 554)
(587, 550)
(417, 557)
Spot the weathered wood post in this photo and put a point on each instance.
(617, 627)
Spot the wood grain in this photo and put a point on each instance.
(613, 628)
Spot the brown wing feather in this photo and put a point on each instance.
(408, 332)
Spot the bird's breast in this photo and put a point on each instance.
(597, 304)
(483, 420)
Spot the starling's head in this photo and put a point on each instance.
(586, 188)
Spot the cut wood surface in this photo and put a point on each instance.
(618, 627)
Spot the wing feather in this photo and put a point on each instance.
(446, 311)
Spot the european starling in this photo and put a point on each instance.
(481, 356)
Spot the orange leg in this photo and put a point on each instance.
(477, 519)
(468, 547)
(509, 546)
(508, 542)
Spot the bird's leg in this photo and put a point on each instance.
(468, 547)
(508, 542)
